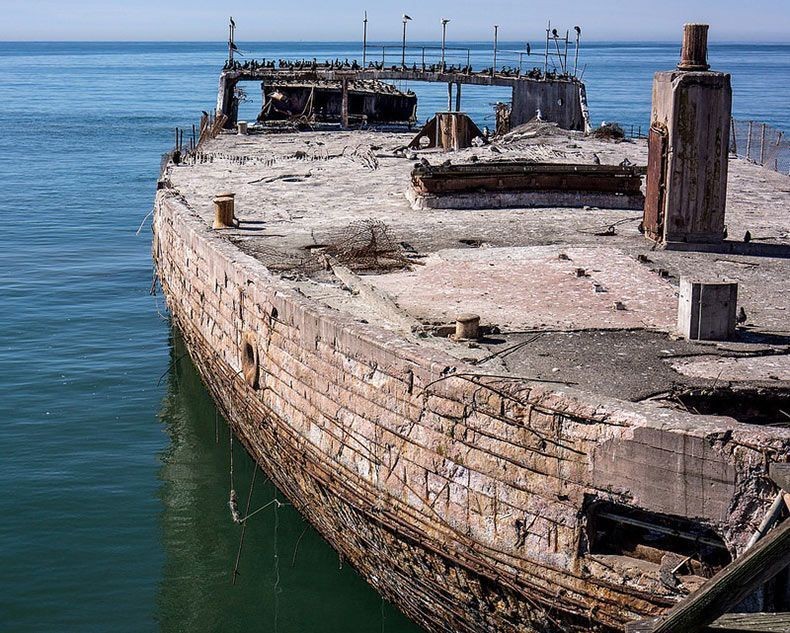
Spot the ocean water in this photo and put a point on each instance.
(114, 467)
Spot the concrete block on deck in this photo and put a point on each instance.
(706, 310)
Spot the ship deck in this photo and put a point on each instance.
(569, 295)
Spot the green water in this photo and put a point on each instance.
(288, 579)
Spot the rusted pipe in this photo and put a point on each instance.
(773, 514)
(694, 55)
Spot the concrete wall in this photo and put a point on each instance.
(562, 102)
(438, 488)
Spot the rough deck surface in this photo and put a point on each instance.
(607, 329)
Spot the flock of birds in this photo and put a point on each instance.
(345, 64)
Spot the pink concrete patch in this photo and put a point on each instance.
(762, 368)
(532, 287)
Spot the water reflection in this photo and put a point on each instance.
(289, 579)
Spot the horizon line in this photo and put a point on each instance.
(357, 42)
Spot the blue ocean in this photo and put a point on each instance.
(115, 464)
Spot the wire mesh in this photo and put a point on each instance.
(762, 144)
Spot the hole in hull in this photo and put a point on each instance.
(620, 530)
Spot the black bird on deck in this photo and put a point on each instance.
(747, 237)
(741, 318)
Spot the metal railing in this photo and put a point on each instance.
(761, 144)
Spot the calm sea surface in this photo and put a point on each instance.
(113, 469)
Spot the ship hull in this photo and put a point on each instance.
(460, 502)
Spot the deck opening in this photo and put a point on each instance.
(769, 407)
(619, 530)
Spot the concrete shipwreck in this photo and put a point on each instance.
(485, 406)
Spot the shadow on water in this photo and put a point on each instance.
(290, 580)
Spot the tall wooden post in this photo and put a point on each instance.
(458, 96)
(689, 147)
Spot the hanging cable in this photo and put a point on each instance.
(233, 501)
(244, 526)
(276, 563)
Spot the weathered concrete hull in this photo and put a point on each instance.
(461, 502)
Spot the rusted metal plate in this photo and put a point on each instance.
(526, 176)
(653, 220)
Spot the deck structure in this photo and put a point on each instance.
(560, 99)
(513, 468)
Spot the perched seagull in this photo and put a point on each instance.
(232, 23)
(626, 162)
(554, 33)
(596, 159)
(578, 30)
(406, 17)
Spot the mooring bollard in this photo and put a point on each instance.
(242, 127)
(224, 210)
(467, 327)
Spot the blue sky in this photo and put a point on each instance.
(259, 20)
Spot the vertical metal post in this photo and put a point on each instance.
(344, 103)
(403, 47)
(546, 52)
(423, 59)
(762, 146)
(733, 137)
(458, 96)
(444, 38)
(365, 40)
(559, 55)
(567, 35)
(449, 96)
(469, 58)
(230, 43)
(496, 34)
(576, 60)
(749, 141)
